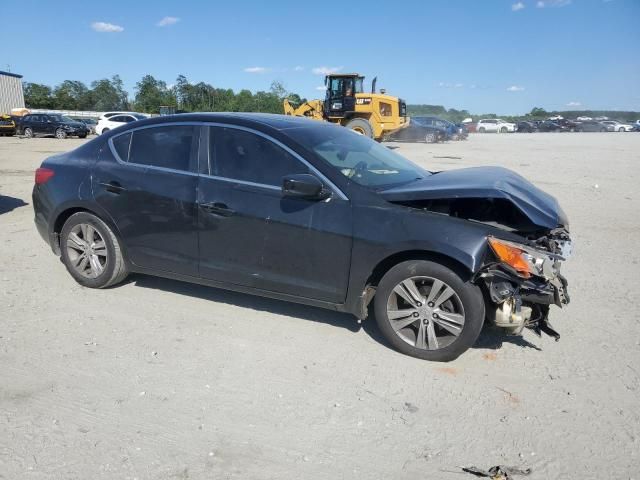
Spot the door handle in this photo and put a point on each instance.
(113, 187)
(217, 208)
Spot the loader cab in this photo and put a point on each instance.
(340, 99)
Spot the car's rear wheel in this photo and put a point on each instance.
(60, 133)
(603, 129)
(82, 136)
(426, 310)
(503, 130)
(91, 251)
(28, 132)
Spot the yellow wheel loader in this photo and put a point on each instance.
(346, 103)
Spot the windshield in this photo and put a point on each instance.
(359, 158)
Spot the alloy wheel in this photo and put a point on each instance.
(87, 250)
(28, 132)
(425, 312)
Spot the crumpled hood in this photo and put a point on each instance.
(539, 207)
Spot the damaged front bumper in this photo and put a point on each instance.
(518, 301)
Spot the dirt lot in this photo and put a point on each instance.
(158, 379)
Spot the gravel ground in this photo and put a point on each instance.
(158, 379)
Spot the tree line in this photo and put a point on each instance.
(150, 94)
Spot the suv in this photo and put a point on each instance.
(60, 126)
(109, 122)
(495, 125)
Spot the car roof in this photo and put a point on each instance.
(275, 121)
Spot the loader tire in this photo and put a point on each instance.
(360, 125)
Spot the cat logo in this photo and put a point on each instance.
(363, 101)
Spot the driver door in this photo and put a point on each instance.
(249, 234)
(340, 97)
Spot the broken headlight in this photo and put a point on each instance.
(526, 261)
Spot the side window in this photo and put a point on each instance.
(118, 118)
(129, 119)
(122, 144)
(242, 155)
(166, 147)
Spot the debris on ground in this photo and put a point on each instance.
(498, 472)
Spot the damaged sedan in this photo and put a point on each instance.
(309, 212)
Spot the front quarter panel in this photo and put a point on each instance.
(384, 230)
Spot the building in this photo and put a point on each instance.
(11, 95)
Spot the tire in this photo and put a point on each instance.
(361, 126)
(503, 130)
(431, 137)
(28, 132)
(82, 136)
(621, 129)
(481, 130)
(466, 302)
(104, 130)
(603, 129)
(112, 268)
(61, 134)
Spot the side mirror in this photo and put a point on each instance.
(304, 185)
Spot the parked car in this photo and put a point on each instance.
(567, 124)
(309, 212)
(89, 122)
(495, 125)
(7, 125)
(525, 126)
(636, 125)
(114, 121)
(551, 126)
(615, 126)
(591, 126)
(43, 124)
(419, 131)
(454, 132)
(113, 114)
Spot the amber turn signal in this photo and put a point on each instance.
(512, 256)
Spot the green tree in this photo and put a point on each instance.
(151, 94)
(108, 94)
(37, 95)
(72, 95)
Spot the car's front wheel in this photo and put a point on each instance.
(431, 137)
(28, 132)
(503, 130)
(481, 130)
(428, 311)
(91, 251)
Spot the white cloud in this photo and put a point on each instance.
(552, 3)
(574, 104)
(517, 6)
(515, 88)
(106, 27)
(450, 85)
(298, 68)
(166, 21)
(321, 88)
(326, 70)
(256, 70)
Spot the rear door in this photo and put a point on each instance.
(147, 182)
(251, 235)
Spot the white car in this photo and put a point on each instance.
(115, 120)
(614, 126)
(495, 125)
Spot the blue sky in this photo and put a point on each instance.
(482, 55)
